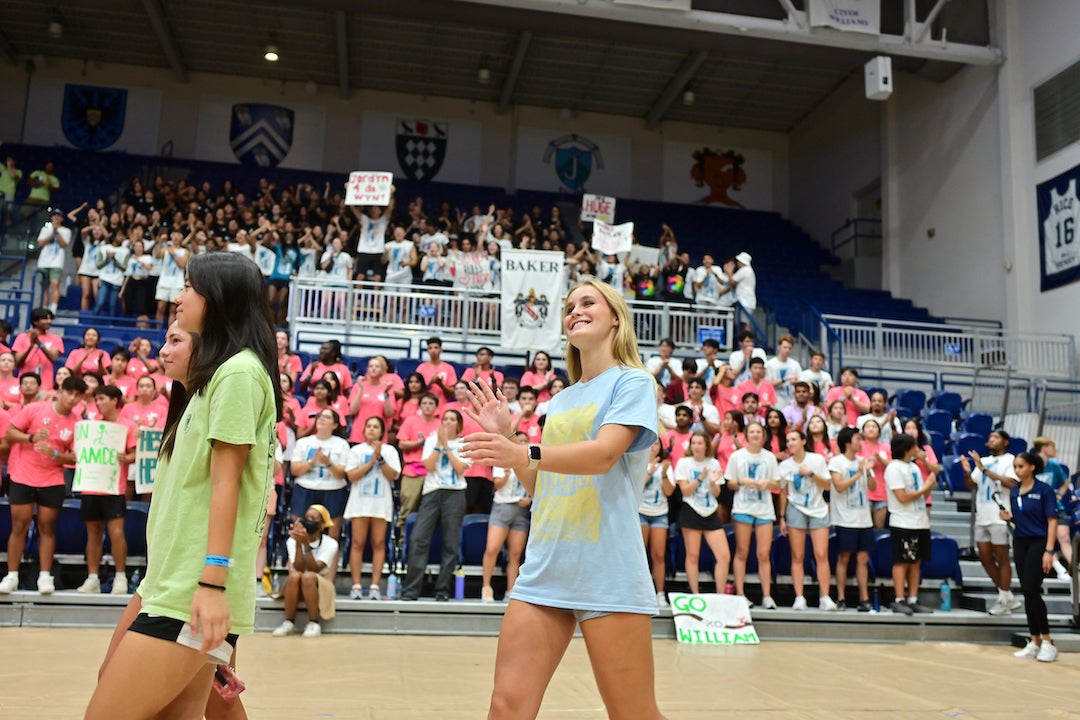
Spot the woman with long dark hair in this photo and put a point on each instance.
(209, 504)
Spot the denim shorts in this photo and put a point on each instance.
(750, 519)
(799, 520)
(879, 505)
(659, 521)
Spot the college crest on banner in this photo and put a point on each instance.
(261, 134)
(93, 117)
(532, 289)
(1059, 216)
(421, 147)
(574, 157)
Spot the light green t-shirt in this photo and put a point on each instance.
(43, 193)
(8, 181)
(236, 407)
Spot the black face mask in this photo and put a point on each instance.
(312, 526)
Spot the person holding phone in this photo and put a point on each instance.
(312, 559)
(209, 504)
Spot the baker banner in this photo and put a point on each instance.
(532, 290)
(98, 446)
(711, 619)
(146, 455)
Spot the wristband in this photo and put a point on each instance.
(211, 586)
(219, 561)
(55, 454)
(512, 435)
(1048, 552)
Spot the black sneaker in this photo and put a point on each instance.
(901, 608)
(407, 598)
(442, 596)
(841, 605)
(920, 609)
(865, 606)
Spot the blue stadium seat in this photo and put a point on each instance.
(135, 528)
(979, 423)
(908, 402)
(70, 530)
(939, 421)
(881, 557)
(1017, 445)
(954, 473)
(946, 400)
(405, 366)
(944, 560)
(781, 556)
(474, 530)
(937, 442)
(434, 550)
(964, 443)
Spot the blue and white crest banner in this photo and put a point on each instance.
(573, 162)
(93, 117)
(532, 290)
(261, 134)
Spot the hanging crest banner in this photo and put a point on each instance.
(532, 290)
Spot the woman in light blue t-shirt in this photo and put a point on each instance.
(584, 562)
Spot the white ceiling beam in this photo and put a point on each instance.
(797, 17)
(512, 75)
(165, 36)
(929, 22)
(690, 65)
(764, 28)
(341, 35)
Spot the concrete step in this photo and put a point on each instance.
(982, 602)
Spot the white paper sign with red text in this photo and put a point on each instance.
(612, 239)
(597, 207)
(369, 188)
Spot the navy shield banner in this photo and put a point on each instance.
(93, 117)
(261, 134)
(574, 157)
(421, 147)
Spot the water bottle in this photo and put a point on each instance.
(729, 589)
(946, 596)
(877, 600)
(133, 583)
(392, 587)
(459, 584)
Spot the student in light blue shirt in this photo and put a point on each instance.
(584, 562)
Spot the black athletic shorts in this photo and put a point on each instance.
(102, 508)
(910, 546)
(178, 631)
(49, 497)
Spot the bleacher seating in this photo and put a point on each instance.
(966, 442)
(979, 423)
(780, 556)
(908, 402)
(938, 421)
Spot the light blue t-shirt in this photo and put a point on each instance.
(584, 550)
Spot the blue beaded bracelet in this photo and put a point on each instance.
(218, 560)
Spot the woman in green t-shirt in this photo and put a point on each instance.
(209, 505)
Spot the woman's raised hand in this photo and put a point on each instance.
(489, 408)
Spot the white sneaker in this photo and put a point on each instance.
(1048, 652)
(356, 593)
(768, 603)
(45, 584)
(285, 628)
(826, 603)
(313, 629)
(9, 584)
(661, 600)
(1000, 608)
(374, 593)
(799, 604)
(1030, 650)
(120, 585)
(1062, 573)
(92, 585)
(1014, 603)
(487, 595)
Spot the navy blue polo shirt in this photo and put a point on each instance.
(1031, 510)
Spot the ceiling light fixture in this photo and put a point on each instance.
(688, 97)
(483, 75)
(271, 53)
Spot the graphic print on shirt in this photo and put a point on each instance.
(754, 471)
(570, 504)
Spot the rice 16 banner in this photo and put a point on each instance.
(98, 447)
(1059, 216)
(711, 619)
(146, 457)
(532, 290)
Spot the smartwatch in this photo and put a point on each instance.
(534, 456)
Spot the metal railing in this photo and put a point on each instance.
(871, 341)
(852, 231)
(318, 305)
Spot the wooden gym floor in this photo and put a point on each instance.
(49, 673)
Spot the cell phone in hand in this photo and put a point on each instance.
(226, 683)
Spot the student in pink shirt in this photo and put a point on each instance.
(288, 361)
(758, 384)
(373, 395)
(42, 437)
(538, 375)
(87, 409)
(440, 376)
(527, 421)
(410, 402)
(482, 370)
(676, 441)
(141, 363)
(37, 349)
(119, 376)
(322, 396)
(147, 410)
(856, 401)
(9, 384)
(89, 357)
(414, 430)
(881, 454)
(329, 360)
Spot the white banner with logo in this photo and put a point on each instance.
(369, 188)
(612, 239)
(422, 147)
(92, 117)
(861, 16)
(98, 446)
(727, 175)
(572, 162)
(260, 132)
(146, 456)
(473, 270)
(643, 254)
(532, 290)
(597, 207)
(711, 619)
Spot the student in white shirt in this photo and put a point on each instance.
(752, 473)
(909, 523)
(804, 478)
(849, 510)
(816, 375)
(653, 512)
(312, 561)
(783, 371)
(54, 240)
(699, 478)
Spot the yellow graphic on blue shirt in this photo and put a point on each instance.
(568, 506)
